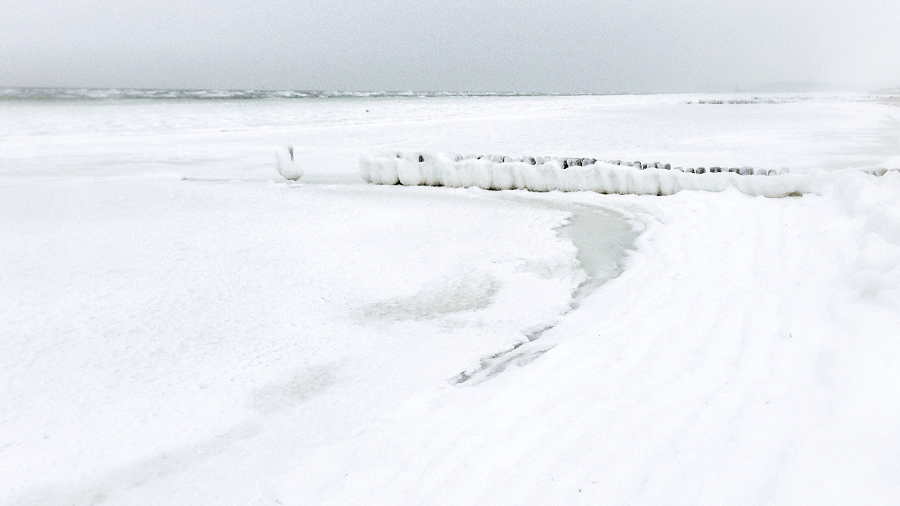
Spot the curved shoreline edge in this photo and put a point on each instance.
(602, 236)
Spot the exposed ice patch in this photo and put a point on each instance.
(602, 239)
(114, 487)
(286, 395)
(469, 291)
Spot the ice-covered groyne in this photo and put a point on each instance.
(581, 174)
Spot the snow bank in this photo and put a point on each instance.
(582, 174)
(875, 205)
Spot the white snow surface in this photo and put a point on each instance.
(180, 326)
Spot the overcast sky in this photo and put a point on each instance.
(469, 45)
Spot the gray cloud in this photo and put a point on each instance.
(474, 45)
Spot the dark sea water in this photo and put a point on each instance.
(191, 94)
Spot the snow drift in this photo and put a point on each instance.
(874, 206)
(583, 174)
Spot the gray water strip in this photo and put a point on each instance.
(603, 238)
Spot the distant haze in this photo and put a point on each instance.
(632, 46)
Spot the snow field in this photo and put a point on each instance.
(176, 341)
(581, 174)
(223, 339)
(685, 380)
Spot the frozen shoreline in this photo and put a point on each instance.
(603, 237)
(214, 336)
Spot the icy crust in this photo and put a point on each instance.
(582, 174)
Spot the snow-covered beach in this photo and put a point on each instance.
(182, 326)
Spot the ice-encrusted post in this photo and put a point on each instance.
(288, 167)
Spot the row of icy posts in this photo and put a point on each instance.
(571, 174)
(577, 174)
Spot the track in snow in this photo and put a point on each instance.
(720, 367)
